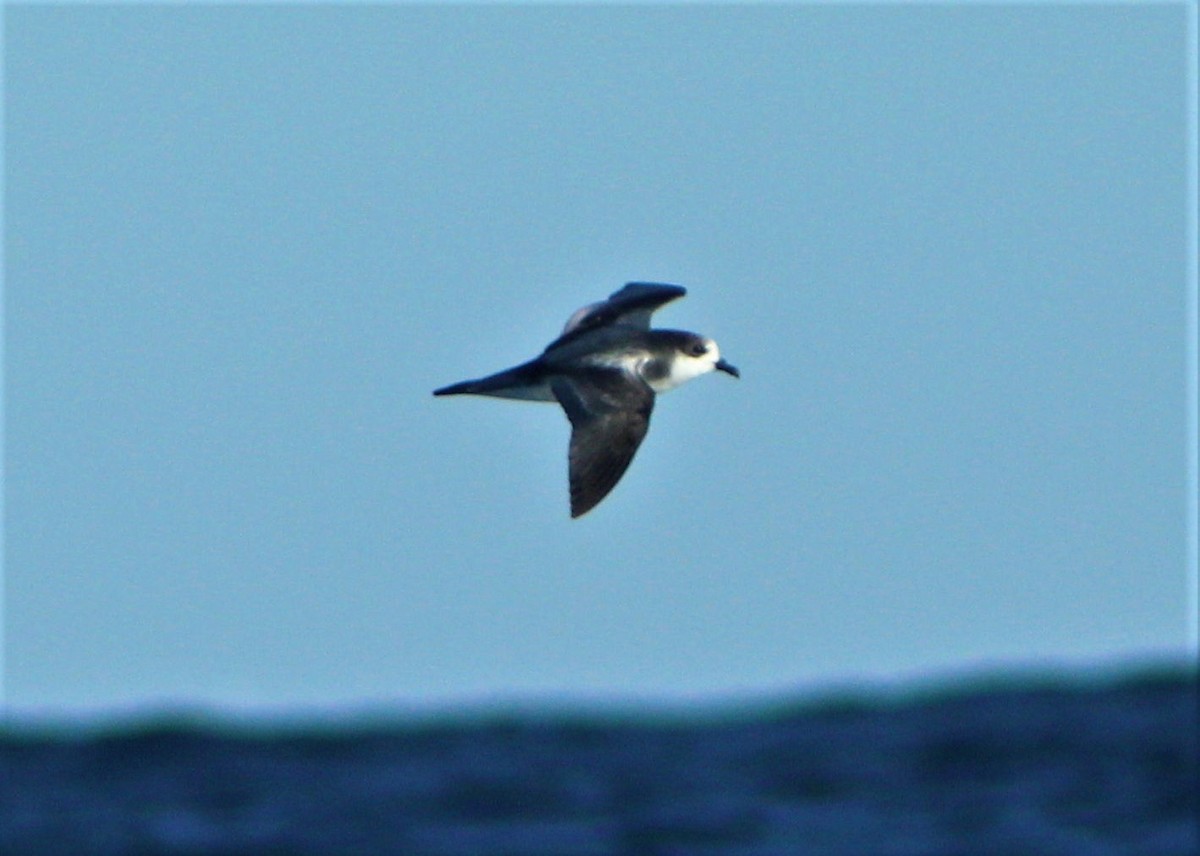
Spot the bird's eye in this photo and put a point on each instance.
(699, 349)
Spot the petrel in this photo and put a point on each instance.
(604, 369)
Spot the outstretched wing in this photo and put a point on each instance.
(609, 411)
(632, 306)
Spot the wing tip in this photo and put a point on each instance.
(660, 287)
(580, 507)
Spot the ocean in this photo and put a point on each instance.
(1004, 766)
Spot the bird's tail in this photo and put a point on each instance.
(466, 387)
(525, 382)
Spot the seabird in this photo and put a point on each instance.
(605, 369)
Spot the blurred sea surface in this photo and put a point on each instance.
(1011, 767)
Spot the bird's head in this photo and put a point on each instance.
(694, 356)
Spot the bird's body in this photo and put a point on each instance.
(605, 369)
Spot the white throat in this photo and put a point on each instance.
(684, 368)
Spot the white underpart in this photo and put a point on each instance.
(685, 367)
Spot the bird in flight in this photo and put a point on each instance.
(605, 369)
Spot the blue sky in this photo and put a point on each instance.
(948, 247)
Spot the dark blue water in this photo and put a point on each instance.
(1021, 768)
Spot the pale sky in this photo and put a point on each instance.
(947, 246)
